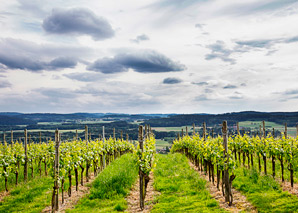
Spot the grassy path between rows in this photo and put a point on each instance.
(33, 196)
(182, 190)
(264, 192)
(110, 188)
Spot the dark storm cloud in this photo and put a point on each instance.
(78, 21)
(172, 81)
(20, 54)
(140, 38)
(147, 61)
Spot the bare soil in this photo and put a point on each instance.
(70, 202)
(133, 199)
(240, 202)
(3, 195)
(286, 186)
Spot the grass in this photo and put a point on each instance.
(110, 188)
(268, 125)
(160, 144)
(264, 192)
(175, 129)
(33, 196)
(182, 190)
(11, 177)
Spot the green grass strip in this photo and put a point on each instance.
(182, 190)
(110, 188)
(264, 192)
(33, 196)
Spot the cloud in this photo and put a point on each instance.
(26, 63)
(208, 90)
(85, 77)
(201, 98)
(172, 81)
(249, 8)
(145, 61)
(291, 92)
(235, 97)
(263, 43)
(229, 86)
(140, 38)
(291, 40)
(62, 62)
(24, 55)
(218, 50)
(202, 83)
(200, 26)
(4, 84)
(78, 21)
(175, 4)
(56, 93)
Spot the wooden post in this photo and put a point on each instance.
(228, 194)
(186, 131)
(286, 131)
(11, 137)
(4, 140)
(127, 137)
(178, 136)
(296, 130)
(40, 137)
(86, 134)
(182, 134)
(204, 131)
(55, 197)
(264, 130)
(264, 157)
(260, 131)
(26, 156)
(238, 130)
(193, 129)
(77, 136)
(121, 134)
(103, 141)
(273, 133)
(114, 133)
(141, 175)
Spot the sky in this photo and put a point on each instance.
(166, 56)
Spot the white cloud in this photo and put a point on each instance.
(240, 55)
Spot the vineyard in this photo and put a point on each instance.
(245, 173)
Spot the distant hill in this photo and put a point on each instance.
(14, 120)
(215, 119)
(155, 120)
